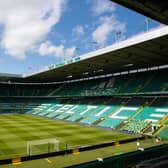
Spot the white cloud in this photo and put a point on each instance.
(70, 52)
(47, 48)
(27, 22)
(107, 25)
(101, 7)
(78, 30)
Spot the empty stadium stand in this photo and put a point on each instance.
(150, 82)
(130, 113)
(133, 101)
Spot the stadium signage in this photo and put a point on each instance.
(53, 66)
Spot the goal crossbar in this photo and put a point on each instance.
(53, 141)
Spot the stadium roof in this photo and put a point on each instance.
(156, 9)
(8, 77)
(141, 51)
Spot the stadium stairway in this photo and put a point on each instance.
(163, 132)
(151, 114)
(130, 124)
(123, 124)
(163, 129)
(121, 114)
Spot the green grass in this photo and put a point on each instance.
(16, 130)
(67, 160)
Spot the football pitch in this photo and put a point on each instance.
(17, 129)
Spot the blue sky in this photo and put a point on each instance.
(37, 33)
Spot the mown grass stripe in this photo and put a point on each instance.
(18, 129)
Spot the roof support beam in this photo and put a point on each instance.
(154, 9)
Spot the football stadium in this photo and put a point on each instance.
(106, 108)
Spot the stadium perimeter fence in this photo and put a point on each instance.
(117, 161)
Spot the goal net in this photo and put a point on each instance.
(42, 146)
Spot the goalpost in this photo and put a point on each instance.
(49, 143)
